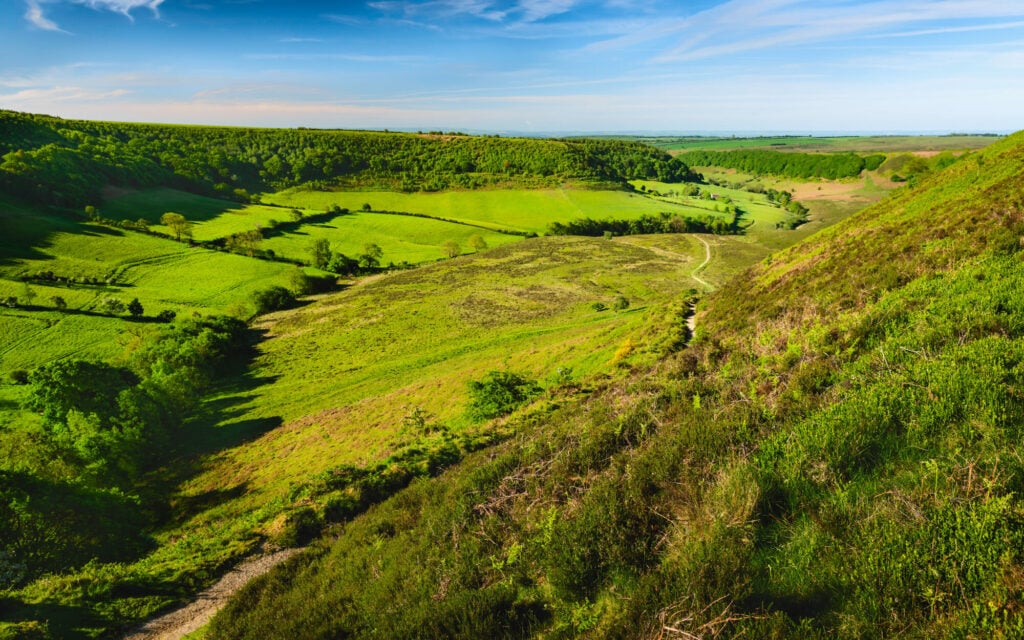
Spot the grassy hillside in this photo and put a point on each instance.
(133, 479)
(837, 454)
(333, 389)
(84, 265)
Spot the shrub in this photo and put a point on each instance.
(18, 376)
(272, 299)
(499, 393)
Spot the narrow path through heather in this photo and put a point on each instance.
(181, 622)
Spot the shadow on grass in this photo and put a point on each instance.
(58, 620)
(184, 507)
(26, 230)
(798, 607)
(220, 424)
(151, 204)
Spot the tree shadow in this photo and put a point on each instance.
(294, 227)
(61, 620)
(151, 204)
(183, 507)
(219, 425)
(26, 231)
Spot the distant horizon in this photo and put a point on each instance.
(528, 66)
(570, 134)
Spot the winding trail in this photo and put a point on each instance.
(691, 320)
(700, 267)
(181, 622)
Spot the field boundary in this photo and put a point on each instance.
(507, 232)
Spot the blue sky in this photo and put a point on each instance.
(796, 66)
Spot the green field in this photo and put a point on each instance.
(211, 218)
(163, 275)
(517, 210)
(414, 240)
(829, 144)
(169, 275)
(402, 238)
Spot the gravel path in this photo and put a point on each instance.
(180, 622)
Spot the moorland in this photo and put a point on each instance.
(508, 387)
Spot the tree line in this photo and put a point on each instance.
(831, 166)
(647, 224)
(67, 162)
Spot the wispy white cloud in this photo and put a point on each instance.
(121, 6)
(742, 26)
(60, 94)
(299, 40)
(520, 11)
(441, 9)
(1017, 24)
(35, 15)
(534, 10)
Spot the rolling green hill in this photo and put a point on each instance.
(69, 162)
(836, 454)
(644, 487)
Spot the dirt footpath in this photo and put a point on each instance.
(184, 621)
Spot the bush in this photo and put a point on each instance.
(18, 376)
(273, 299)
(498, 394)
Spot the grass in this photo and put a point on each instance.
(517, 210)
(417, 240)
(163, 275)
(211, 218)
(402, 238)
(837, 454)
(831, 144)
(414, 339)
(334, 380)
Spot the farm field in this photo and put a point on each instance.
(415, 240)
(407, 239)
(403, 239)
(107, 263)
(516, 210)
(829, 144)
(212, 218)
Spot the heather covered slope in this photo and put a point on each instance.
(836, 454)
